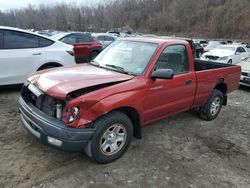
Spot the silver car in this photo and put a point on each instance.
(104, 38)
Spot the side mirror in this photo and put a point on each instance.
(163, 74)
(237, 53)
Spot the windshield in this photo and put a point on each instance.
(126, 56)
(226, 48)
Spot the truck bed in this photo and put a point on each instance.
(209, 74)
(201, 65)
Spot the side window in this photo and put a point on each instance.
(108, 38)
(1, 39)
(45, 42)
(70, 39)
(174, 57)
(242, 50)
(101, 38)
(19, 40)
(83, 38)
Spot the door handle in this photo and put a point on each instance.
(189, 81)
(37, 54)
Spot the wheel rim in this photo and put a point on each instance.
(113, 139)
(215, 107)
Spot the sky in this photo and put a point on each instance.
(14, 4)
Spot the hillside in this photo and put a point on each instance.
(203, 18)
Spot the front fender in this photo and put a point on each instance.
(132, 99)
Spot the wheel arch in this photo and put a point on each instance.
(54, 64)
(134, 116)
(222, 86)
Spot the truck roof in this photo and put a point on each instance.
(158, 39)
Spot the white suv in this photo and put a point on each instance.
(23, 53)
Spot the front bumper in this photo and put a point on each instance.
(216, 61)
(44, 128)
(245, 80)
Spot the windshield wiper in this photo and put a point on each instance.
(95, 63)
(115, 67)
(118, 68)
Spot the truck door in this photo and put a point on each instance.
(167, 97)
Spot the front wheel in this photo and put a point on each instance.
(113, 136)
(213, 106)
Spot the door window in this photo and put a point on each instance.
(83, 38)
(242, 50)
(1, 39)
(70, 39)
(43, 42)
(100, 38)
(108, 38)
(19, 40)
(174, 57)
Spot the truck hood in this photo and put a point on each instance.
(219, 53)
(59, 82)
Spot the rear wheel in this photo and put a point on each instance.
(213, 106)
(113, 136)
(93, 54)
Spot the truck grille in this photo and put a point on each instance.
(43, 102)
(212, 57)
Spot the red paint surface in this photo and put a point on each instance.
(152, 99)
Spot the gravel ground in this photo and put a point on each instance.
(181, 151)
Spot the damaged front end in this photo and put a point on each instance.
(83, 91)
(71, 111)
(45, 103)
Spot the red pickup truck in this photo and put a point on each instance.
(99, 107)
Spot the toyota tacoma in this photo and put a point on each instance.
(98, 107)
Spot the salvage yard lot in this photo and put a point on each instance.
(181, 151)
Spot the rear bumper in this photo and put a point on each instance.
(51, 131)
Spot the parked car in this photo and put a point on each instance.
(245, 72)
(114, 33)
(212, 45)
(86, 47)
(199, 50)
(202, 42)
(23, 53)
(230, 54)
(104, 38)
(248, 48)
(99, 107)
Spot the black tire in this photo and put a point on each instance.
(230, 61)
(104, 125)
(213, 106)
(93, 55)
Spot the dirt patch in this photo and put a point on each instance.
(221, 146)
(181, 151)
